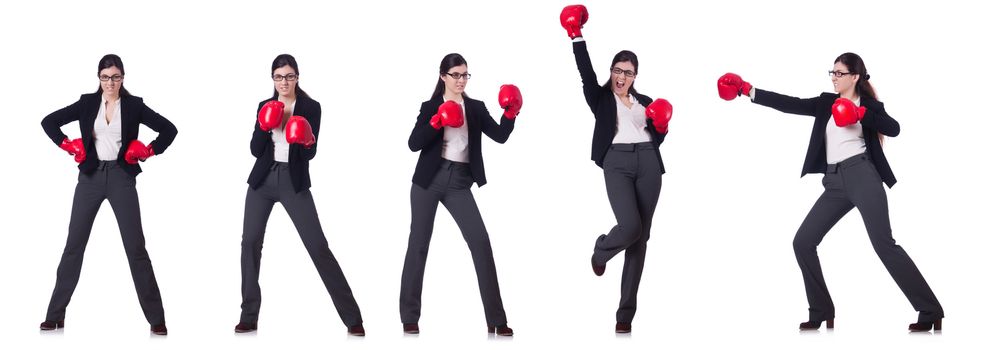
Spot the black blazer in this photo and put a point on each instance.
(263, 148)
(133, 113)
(429, 141)
(602, 102)
(874, 122)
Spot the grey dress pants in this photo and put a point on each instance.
(633, 180)
(108, 182)
(277, 187)
(450, 186)
(855, 183)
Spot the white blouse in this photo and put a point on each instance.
(843, 142)
(107, 136)
(455, 140)
(278, 137)
(631, 122)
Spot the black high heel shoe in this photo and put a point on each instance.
(925, 326)
(813, 325)
(623, 327)
(501, 330)
(246, 327)
(52, 325)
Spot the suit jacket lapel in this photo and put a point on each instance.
(89, 117)
(129, 119)
(469, 115)
(300, 107)
(435, 103)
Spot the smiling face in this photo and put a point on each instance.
(620, 81)
(844, 85)
(285, 79)
(453, 85)
(111, 79)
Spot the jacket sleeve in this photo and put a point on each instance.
(589, 80)
(877, 119)
(52, 124)
(497, 132)
(658, 136)
(786, 104)
(165, 129)
(423, 133)
(261, 138)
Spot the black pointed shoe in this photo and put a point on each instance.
(356, 330)
(925, 326)
(52, 325)
(501, 330)
(246, 327)
(813, 325)
(623, 327)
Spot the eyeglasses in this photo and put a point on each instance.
(839, 74)
(116, 78)
(628, 73)
(290, 77)
(457, 76)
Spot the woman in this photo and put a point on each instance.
(626, 146)
(284, 142)
(845, 145)
(447, 135)
(108, 119)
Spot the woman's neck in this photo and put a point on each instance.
(851, 95)
(111, 97)
(452, 96)
(287, 98)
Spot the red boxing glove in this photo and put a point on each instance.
(510, 98)
(731, 86)
(660, 111)
(75, 148)
(846, 113)
(572, 18)
(137, 151)
(270, 115)
(298, 130)
(449, 114)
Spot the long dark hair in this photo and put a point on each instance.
(287, 60)
(624, 56)
(449, 61)
(862, 87)
(857, 66)
(108, 61)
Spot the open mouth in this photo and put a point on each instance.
(619, 84)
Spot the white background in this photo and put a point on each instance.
(720, 268)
